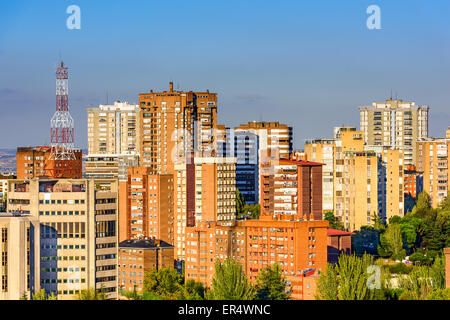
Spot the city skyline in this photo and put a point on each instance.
(257, 65)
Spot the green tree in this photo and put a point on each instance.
(438, 272)
(417, 285)
(347, 280)
(445, 204)
(24, 296)
(334, 222)
(41, 295)
(230, 282)
(240, 202)
(439, 294)
(192, 290)
(391, 243)
(378, 223)
(423, 203)
(92, 294)
(271, 284)
(165, 282)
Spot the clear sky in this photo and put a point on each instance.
(306, 63)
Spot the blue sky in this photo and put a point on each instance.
(306, 63)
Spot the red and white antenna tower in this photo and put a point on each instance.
(62, 126)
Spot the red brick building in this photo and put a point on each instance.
(291, 189)
(413, 181)
(338, 242)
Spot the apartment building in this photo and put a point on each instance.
(34, 162)
(323, 151)
(395, 123)
(256, 143)
(137, 257)
(299, 246)
(174, 125)
(205, 191)
(146, 205)
(19, 246)
(433, 161)
(208, 241)
(114, 129)
(291, 189)
(113, 140)
(4, 179)
(78, 232)
(413, 181)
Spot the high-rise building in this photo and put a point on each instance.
(291, 190)
(256, 143)
(113, 140)
(205, 191)
(433, 161)
(114, 129)
(175, 125)
(137, 257)
(323, 151)
(34, 162)
(78, 232)
(395, 123)
(146, 205)
(19, 247)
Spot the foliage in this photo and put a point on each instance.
(399, 268)
(439, 294)
(165, 283)
(91, 294)
(346, 280)
(417, 285)
(271, 284)
(420, 258)
(192, 290)
(334, 222)
(230, 282)
(251, 211)
(423, 203)
(391, 243)
(41, 295)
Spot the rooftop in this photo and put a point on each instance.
(334, 232)
(145, 244)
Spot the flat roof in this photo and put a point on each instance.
(144, 244)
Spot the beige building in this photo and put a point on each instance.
(205, 191)
(113, 129)
(323, 151)
(108, 166)
(368, 180)
(19, 247)
(433, 160)
(395, 123)
(78, 232)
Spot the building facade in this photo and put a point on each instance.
(291, 189)
(137, 257)
(146, 205)
(174, 125)
(205, 191)
(34, 162)
(78, 232)
(19, 269)
(395, 123)
(433, 161)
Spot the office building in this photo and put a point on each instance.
(78, 232)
